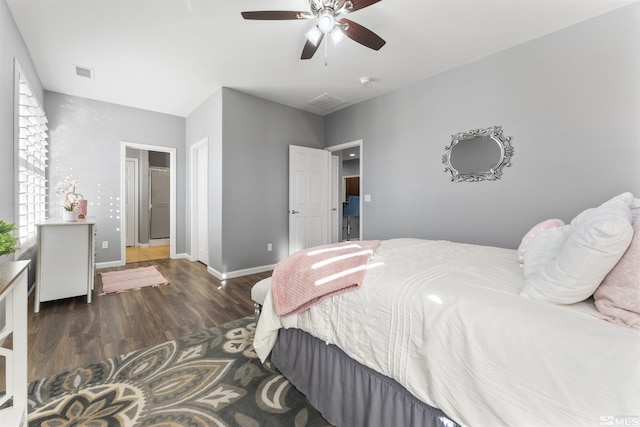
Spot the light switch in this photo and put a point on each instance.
(367, 197)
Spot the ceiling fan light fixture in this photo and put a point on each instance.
(326, 22)
(337, 35)
(314, 35)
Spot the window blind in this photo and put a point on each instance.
(31, 163)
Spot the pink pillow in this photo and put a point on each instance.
(618, 296)
(544, 225)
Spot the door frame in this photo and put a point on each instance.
(334, 202)
(193, 163)
(172, 195)
(357, 143)
(136, 196)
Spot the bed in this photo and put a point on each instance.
(445, 333)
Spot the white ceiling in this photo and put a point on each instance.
(171, 55)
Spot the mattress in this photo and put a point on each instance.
(446, 321)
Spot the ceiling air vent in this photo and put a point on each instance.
(327, 102)
(84, 72)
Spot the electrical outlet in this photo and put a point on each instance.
(105, 244)
(269, 247)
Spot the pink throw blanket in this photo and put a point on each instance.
(313, 274)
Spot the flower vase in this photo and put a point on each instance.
(69, 216)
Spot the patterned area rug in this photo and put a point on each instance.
(210, 378)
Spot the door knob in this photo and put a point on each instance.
(293, 211)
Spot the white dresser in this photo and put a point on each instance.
(65, 264)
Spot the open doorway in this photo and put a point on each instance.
(350, 200)
(148, 187)
(347, 189)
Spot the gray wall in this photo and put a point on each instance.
(85, 142)
(571, 102)
(350, 167)
(248, 174)
(257, 135)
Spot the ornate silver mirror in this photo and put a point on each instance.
(478, 155)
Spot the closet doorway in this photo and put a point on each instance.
(149, 194)
(346, 190)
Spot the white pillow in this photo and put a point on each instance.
(629, 199)
(531, 234)
(619, 206)
(544, 247)
(599, 239)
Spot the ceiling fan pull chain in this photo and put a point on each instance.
(326, 51)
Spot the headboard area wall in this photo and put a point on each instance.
(569, 100)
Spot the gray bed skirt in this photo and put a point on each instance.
(345, 392)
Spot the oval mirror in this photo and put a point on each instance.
(477, 155)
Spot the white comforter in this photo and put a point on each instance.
(445, 320)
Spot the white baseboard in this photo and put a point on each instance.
(109, 264)
(119, 263)
(159, 242)
(218, 275)
(239, 273)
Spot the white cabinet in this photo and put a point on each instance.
(65, 260)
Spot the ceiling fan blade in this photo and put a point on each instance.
(362, 35)
(359, 4)
(310, 49)
(273, 15)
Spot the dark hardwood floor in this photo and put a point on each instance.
(69, 333)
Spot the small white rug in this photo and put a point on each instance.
(131, 279)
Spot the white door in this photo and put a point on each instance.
(202, 200)
(308, 197)
(131, 201)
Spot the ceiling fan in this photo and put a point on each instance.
(329, 22)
